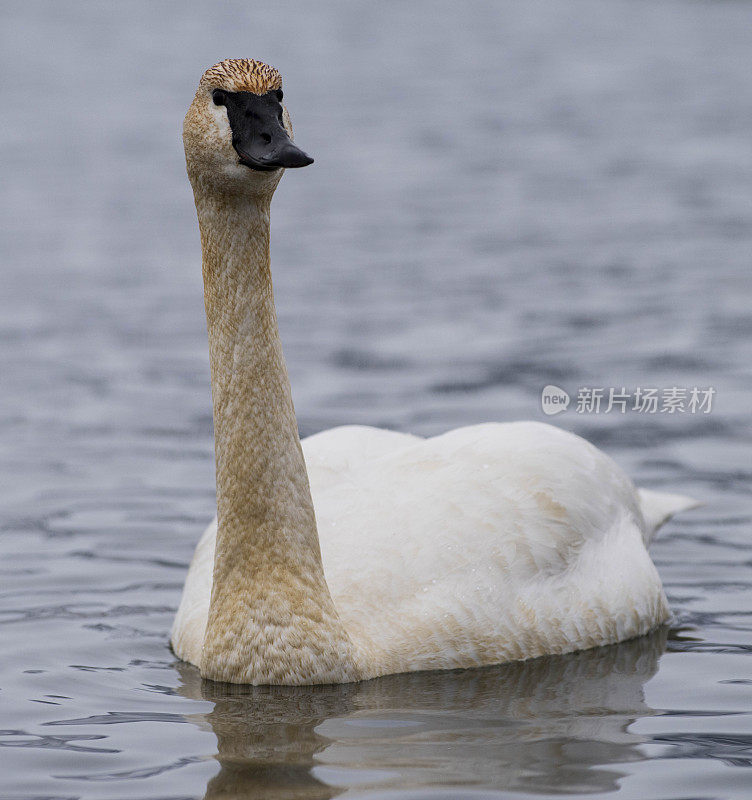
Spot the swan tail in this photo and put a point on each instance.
(659, 507)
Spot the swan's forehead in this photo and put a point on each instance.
(242, 75)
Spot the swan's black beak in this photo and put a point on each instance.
(258, 134)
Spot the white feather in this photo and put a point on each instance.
(486, 544)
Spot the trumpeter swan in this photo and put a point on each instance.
(486, 544)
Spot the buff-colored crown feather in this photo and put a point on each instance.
(242, 75)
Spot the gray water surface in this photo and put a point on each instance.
(505, 195)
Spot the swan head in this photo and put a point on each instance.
(237, 133)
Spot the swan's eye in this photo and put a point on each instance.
(279, 95)
(219, 97)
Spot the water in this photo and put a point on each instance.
(504, 196)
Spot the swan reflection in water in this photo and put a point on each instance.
(555, 724)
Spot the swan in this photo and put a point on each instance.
(362, 552)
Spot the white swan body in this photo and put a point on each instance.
(366, 552)
(486, 544)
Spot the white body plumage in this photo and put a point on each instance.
(486, 544)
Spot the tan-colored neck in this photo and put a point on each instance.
(271, 617)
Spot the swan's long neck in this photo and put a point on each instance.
(271, 617)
